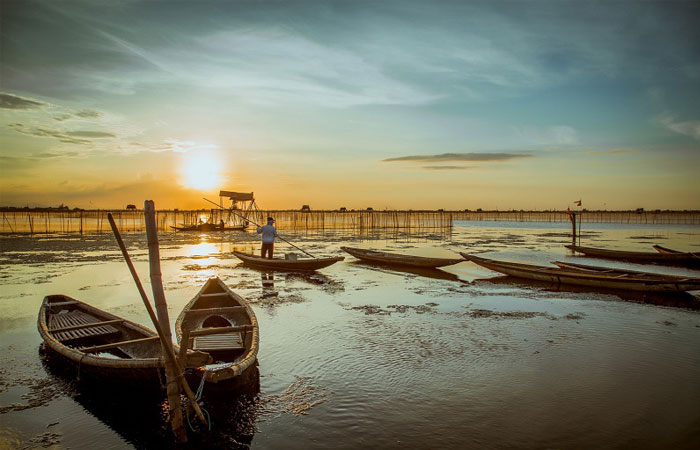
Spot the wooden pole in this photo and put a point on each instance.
(169, 353)
(176, 418)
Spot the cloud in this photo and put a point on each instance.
(88, 114)
(9, 101)
(688, 128)
(556, 135)
(448, 167)
(90, 134)
(68, 137)
(614, 151)
(460, 157)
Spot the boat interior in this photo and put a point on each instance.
(73, 326)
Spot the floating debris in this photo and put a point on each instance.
(487, 313)
(297, 399)
(45, 440)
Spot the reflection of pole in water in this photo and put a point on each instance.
(268, 284)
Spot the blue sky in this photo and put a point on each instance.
(397, 104)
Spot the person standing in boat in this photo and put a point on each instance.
(268, 237)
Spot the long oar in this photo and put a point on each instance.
(258, 225)
(168, 346)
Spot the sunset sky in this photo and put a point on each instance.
(389, 104)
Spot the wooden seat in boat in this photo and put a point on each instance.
(77, 325)
(219, 342)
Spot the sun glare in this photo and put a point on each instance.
(201, 171)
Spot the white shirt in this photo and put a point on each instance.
(268, 233)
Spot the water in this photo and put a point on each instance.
(358, 356)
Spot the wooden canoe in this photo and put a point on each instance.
(222, 323)
(103, 345)
(395, 259)
(207, 227)
(636, 273)
(620, 280)
(669, 258)
(667, 250)
(303, 264)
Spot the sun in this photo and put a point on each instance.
(201, 171)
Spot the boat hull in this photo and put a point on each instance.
(581, 278)
(208, 228)
(138, 360)
(303, 265)
(217, 306)
(394, 259)
(667, 258)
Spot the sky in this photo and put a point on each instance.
(392, 104)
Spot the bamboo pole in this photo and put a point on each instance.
(176, 418)
(169, 353)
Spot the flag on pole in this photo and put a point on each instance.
(578, 202)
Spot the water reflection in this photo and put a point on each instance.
(232, 408)
(202, 252)
(268, 284)
(669, 299)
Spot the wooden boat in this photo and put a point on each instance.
(396, 259)
(669, 258)
(303, 264)
(628, 272)
(207, 227)
(104, 345)
(591, 278)
(220, 322)
(666, 250)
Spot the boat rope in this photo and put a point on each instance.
(200, 389)
(80, 363)
(197, 398)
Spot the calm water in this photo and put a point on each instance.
(357, 356)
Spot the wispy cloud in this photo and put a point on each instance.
(460, 157)
(614, 151)
(688, 128)
(68, 137)
(90, 134)
(448, 167)
(556, 135)
(88, 114)
(10, 101)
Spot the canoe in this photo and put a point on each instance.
(206, 227)
(396, 259)
(628, 272)
(670, 258)
(589, 278)
(666, 250)
(304, 264)
(222, 323)
(103, 345)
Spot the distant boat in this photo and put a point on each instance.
(667, 250)
(668, 258)
(692, 282)
(207, 227)
(103, 345)
(595, 277)
(303, 264)
(221, 323)
(396, 259)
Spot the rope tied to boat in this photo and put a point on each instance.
(197, 398)
(80, 363)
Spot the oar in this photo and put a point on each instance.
(258, 225)
(168, 346)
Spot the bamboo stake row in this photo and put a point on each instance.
(93, 221)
